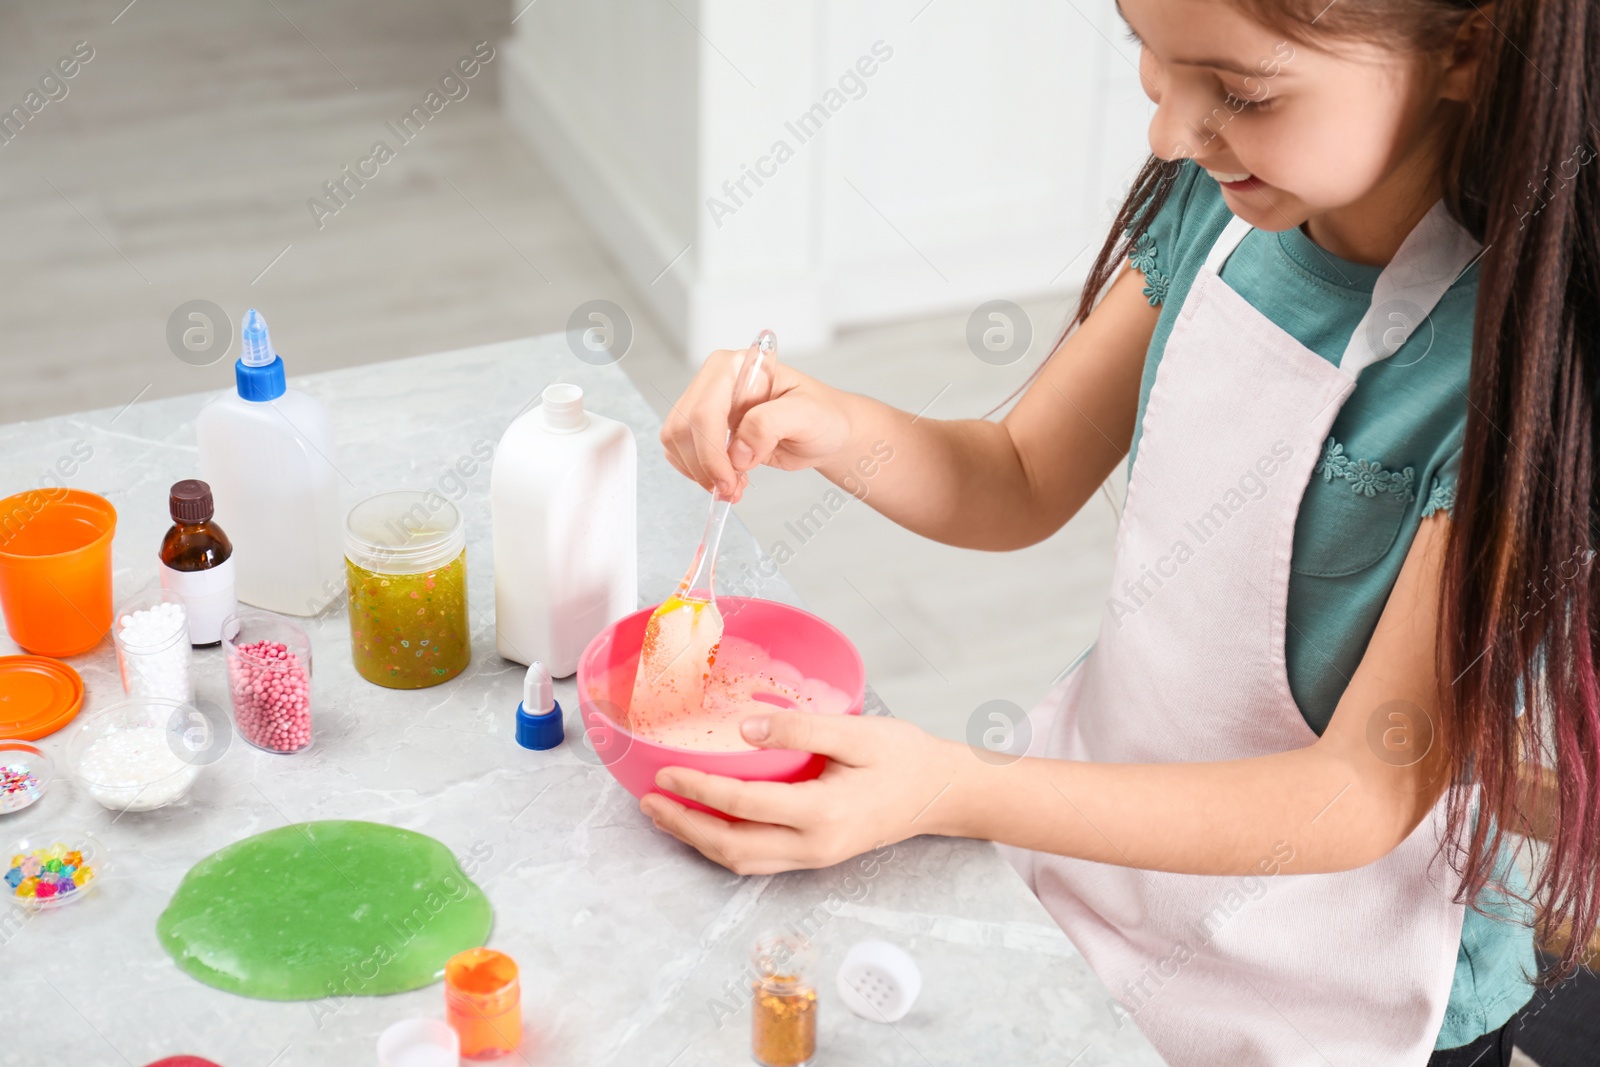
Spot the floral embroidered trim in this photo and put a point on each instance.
(1365, 476)
(1441, 498)
(1143, 256)
(1143, 260)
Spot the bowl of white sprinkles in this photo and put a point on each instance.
(131, 756)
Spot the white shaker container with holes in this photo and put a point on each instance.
(879, 981)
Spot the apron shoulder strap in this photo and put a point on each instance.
(1226, 242)
(1434, 254)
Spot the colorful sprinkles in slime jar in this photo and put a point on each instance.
(405, 562)
(408, 631)
(45, 874)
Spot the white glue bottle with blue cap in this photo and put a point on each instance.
(539, 714)
(267, 452)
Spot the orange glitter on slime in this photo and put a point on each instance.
(743, 680)
(677, 656)
(483, 1002)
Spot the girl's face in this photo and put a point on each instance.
(1288, 131)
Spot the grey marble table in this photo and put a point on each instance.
(631, 946)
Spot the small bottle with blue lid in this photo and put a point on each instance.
(539, 714)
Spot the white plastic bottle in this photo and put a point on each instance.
(565, 517)
(267, 452)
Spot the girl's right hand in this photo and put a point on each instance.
(803, 424)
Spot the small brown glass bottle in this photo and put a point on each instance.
(197, 562)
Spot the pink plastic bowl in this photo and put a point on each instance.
(789, 634)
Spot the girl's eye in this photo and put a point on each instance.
(1238, 101)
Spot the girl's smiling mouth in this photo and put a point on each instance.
(1238, 181)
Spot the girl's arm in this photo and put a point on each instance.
(967, 482)
(1341, 802)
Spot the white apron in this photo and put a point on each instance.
(1346, 968)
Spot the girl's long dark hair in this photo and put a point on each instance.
(1518, 607)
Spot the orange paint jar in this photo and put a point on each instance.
(55, 569)
(483, 1002)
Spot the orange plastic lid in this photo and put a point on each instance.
(38, 696)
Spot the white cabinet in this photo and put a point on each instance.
(810, 164)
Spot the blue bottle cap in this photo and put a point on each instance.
(540, 731)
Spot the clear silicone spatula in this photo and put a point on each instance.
(682, 636)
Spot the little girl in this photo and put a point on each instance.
(1353, 359)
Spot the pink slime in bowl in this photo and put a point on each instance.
(605, 685)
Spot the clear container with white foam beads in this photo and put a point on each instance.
(151, 632)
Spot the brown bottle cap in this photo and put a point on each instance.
(190, 501)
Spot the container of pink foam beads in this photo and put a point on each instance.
(269, 679)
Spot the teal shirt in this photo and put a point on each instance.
(1391, 460)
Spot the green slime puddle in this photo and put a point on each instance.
(323, 909)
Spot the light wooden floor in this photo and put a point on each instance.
(178, 167)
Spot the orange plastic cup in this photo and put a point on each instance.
(55, 569)
(483, 1002)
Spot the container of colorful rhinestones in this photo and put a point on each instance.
(52, 869)
(25, 769)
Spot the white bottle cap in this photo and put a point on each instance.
(563, 408)
(879, 981)
(538, 692)
(419, 1043)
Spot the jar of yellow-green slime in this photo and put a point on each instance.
(406, 571)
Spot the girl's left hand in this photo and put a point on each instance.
(882, 778)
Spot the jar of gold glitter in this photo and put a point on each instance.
(783, 1029)
(406, 572)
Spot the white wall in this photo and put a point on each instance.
(975, 161)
